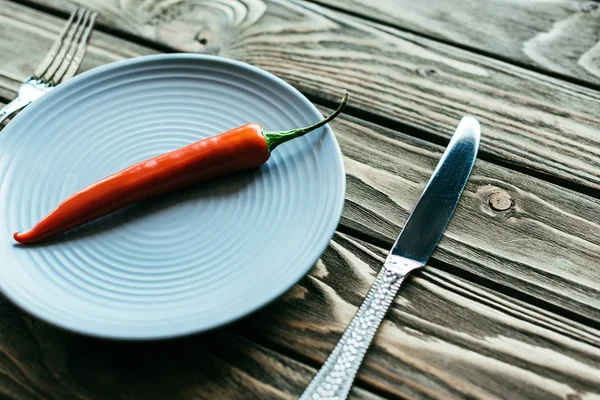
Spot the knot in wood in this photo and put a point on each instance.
(500, 201)
(426, 71)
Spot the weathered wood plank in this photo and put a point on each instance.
(545, 245)
(559, 36)
(538, 122)
(444, 338)
(26, 36)
(41, 362)
(544, 241)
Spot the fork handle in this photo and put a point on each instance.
(334, 379)
(12, 107)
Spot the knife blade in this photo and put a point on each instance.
(411, 250)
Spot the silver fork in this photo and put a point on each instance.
(60, 64)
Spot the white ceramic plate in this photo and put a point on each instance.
(184, 262)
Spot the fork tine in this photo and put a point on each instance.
(56, 46)
(78, 40)
(80, 51)
(66, 47)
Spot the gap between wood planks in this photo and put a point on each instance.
(477, 279)
(167, 49)
(430, 137)
(406, 128)
(358, 15)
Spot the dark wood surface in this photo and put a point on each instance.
(509, 305)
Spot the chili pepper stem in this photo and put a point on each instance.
(274, 139)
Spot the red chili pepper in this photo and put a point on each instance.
(241, 148)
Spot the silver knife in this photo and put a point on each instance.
(412, 249)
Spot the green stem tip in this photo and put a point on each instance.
(274, 139)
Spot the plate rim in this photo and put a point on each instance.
(317, 251)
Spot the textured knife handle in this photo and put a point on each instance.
(334, 379)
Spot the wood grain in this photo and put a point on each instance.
(26, 36)
(444, 338)
(41, 362)
(558, 36)
(530, 120)
(545, 246)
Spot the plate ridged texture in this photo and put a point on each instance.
(186, 261)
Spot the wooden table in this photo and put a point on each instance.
(509, 305)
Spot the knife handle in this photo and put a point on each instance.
(334, 379)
